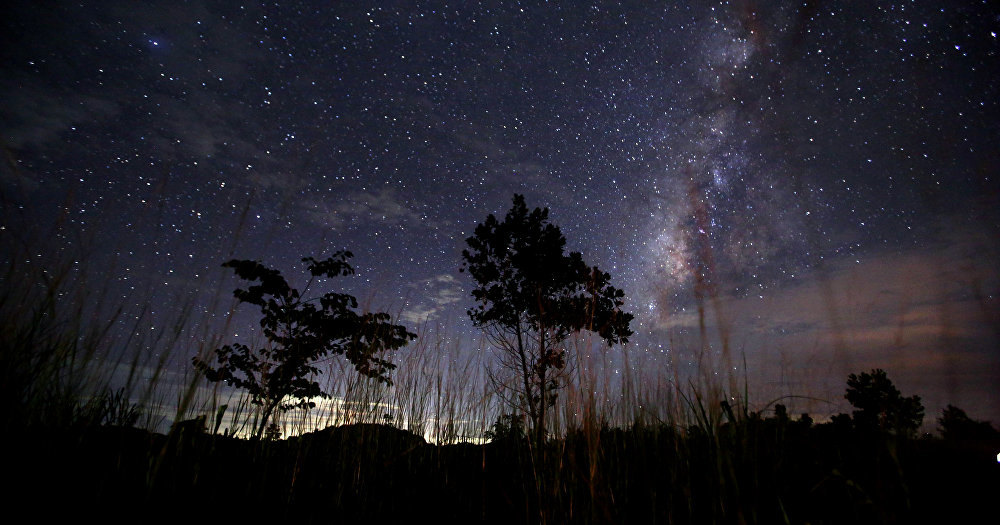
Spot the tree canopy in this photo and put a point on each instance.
(530, 296)
(299, 331)
(880, 406)
(954, 423)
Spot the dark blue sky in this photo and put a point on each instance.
(829, 167)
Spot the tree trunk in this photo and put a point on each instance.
(526, 378)
(542, 403)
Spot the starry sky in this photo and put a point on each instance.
(815, 183)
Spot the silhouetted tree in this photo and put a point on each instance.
(530, 296)
(841, 422)
(954, 423)
(507, 428)
(781, 413)
(299, 332)
(273, 432)
(880, 406)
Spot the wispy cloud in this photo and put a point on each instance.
(920, 314)
(385, 207)
(436, 293)
(37, 115)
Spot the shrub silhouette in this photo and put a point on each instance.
(299, 332)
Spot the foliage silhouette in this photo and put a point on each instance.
(508, 428)
(530, 296)
(880, 406)
(954, 423)
(299, 332)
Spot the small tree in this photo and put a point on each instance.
(530, 296)
(508, 428)
(279, 375)
(880, 406)
(273, 432)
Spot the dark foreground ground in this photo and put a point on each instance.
(756, 472)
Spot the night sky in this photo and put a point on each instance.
(818, 179)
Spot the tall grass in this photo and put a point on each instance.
(48, 347)
(627, 443)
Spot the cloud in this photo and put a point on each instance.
(436, 294)
(417, 314)
(921, 314)
(384, 207)
(36, 115)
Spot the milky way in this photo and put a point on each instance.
(741, 161)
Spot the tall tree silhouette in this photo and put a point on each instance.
(530, 296)
(300, 331)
